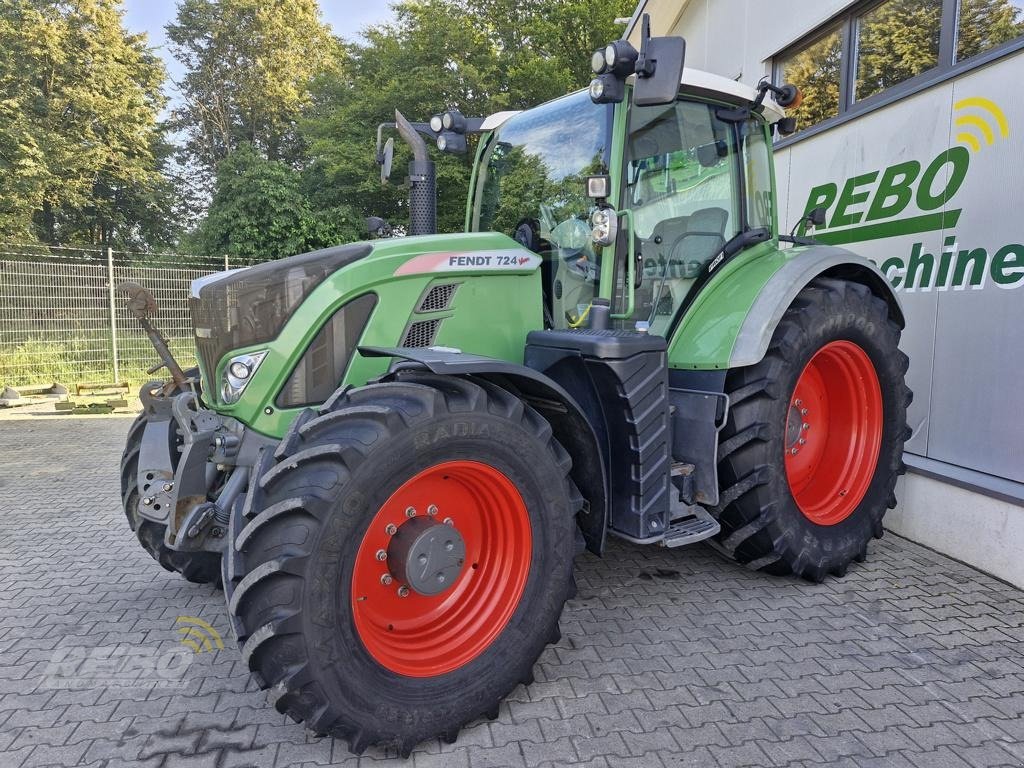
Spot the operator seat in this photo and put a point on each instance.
(684, 244)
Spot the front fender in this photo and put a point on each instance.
(568, 420)
(731, 324)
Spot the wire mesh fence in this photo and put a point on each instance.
(61, 319)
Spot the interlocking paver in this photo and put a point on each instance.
(668, 657)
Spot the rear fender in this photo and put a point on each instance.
(731, 324)
(568, 420)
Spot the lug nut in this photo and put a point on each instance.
(390, 529)
(382, 555)
(794, 451)
(148, 500)
(403, 591)
(803, 411)
(448, 521)
(802, 441)
(386, 579)
(798, 403)
(432, 510)
(410, 511)
(168, 487)
(806, 425)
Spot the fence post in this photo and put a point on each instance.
(226, 267)
(113, 315)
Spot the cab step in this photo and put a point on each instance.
(695, 526)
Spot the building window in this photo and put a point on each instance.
(892, 46)
(896, 41)
(815, 67)
(984, 24)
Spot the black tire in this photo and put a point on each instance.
(197, 567)
(762, 524)
(288, 573)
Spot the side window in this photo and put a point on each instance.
(320, 370)
(757, 173)
(681, 185)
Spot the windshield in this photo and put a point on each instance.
(531, 186)
(686, 170)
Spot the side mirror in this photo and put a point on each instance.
(659, 71)
(387, 159)
(816, 217)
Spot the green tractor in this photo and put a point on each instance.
(392, 451)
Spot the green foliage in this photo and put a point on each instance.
(259, 212)
(79, 140)
(481, 57)
(249, 64)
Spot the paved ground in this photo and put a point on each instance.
(668, 658)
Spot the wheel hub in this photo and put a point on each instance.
(426, 556)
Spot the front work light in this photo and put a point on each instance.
(620, 58)
(607, 89)
(453, 120)
(437, 123)
(454, 143)
(605, 224)
(237, 374)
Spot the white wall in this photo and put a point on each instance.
(964, 345)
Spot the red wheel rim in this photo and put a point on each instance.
(833, 432)
(424, 636)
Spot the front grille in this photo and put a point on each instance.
(438, 298)
(421, 333)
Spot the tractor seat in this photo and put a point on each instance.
(680, 246)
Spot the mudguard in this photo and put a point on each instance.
(731, 324)
(568, 421)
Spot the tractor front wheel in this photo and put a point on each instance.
(810, 454)
(405, 559)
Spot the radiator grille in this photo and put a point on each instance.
(421, 333)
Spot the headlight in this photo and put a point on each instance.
(605, 225)
(237, 374)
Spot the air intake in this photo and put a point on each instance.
(421, 333)
(438, 298)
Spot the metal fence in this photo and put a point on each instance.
(62, 321)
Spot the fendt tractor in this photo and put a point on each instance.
(391, 451)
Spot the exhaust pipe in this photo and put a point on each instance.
(422, 181)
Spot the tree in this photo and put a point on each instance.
(481, 57)
(249, 64)
(259, 212)
(79, 139)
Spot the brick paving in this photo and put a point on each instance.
(667, 658)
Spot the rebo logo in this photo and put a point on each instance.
(872, 206)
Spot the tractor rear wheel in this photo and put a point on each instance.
(810, 454)
(405, 559)
(197, 567)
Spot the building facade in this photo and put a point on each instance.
(911, 135)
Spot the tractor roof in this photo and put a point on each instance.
(699, 83)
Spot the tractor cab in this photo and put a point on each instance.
(681, 182)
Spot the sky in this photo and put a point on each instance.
(347, 17)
